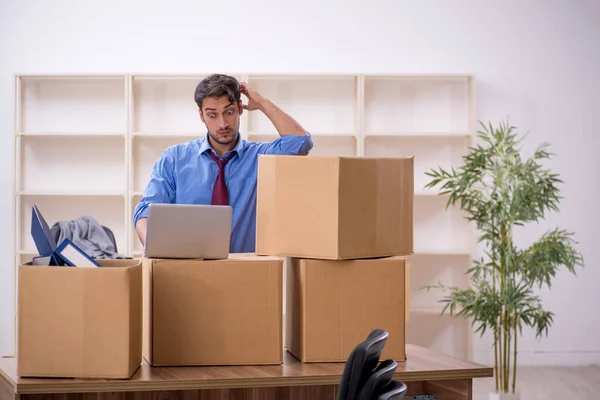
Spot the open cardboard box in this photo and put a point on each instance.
(78, 322)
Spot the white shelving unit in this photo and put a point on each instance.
(85, 145)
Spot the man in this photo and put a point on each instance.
(221, 168)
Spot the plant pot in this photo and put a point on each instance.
(505, 396)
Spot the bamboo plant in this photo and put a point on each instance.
(500, 192)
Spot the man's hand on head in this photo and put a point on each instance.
(284, 123)
(254, 98)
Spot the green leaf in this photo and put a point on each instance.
(498, 189)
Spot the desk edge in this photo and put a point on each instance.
(136, 386)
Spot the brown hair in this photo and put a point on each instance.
(217, 85)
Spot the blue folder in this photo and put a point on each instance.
(42, 236)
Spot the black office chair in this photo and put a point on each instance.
(392, 391)
(360, 365)
(382, 376)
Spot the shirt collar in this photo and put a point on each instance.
(239, 148)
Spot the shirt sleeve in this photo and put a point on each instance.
(288, 145)
(160, 188)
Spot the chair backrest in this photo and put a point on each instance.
(392, 391)
(383, 375)
(360, 364)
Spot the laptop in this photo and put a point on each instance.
(188, 231)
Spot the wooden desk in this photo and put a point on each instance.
(424, 372)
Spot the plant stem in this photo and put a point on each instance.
(499, 341)
(500, 353)
(496, 337)
(506, 350)
(515, 354)
(504, 321)
(511, 269)
(508, 331)
(496, 358)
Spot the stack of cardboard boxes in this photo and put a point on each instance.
(346, 225)
(343, 224)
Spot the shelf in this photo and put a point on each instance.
(416, 104)
(333, 146)
(180, 135)
(108, 211)
(145, 152)
(257, 137)
(429, 152)
(69, 77)
(441, 333)
(26, 252)
(431, 311)
(425, 251)
(163, 104)
(72, 164)
(72, 134)
(72, 104)
(323, 145)
(300, 77)
(420, 135)
(86, 145)
(438, 230)
(26, 256)
(65, 193)
(319, 103)
(433, 269)
(429, 192)
(274, 135)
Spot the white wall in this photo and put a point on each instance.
(537, 61)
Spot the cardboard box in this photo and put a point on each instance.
(334, 207)
(213, 312)
(332, 306)
(80, 322)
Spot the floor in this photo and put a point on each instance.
(549, 383)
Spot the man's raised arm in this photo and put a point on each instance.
(284, 123)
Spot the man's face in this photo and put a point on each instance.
(222, 119)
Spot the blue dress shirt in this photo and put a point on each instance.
(186, 174)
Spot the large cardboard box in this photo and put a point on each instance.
(332, 306)
(80, 322)
(334, 207)
(213, 312)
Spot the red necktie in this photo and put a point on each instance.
(219, 195)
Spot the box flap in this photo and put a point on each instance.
(285, 216)
(395, 195)
(358, 204)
